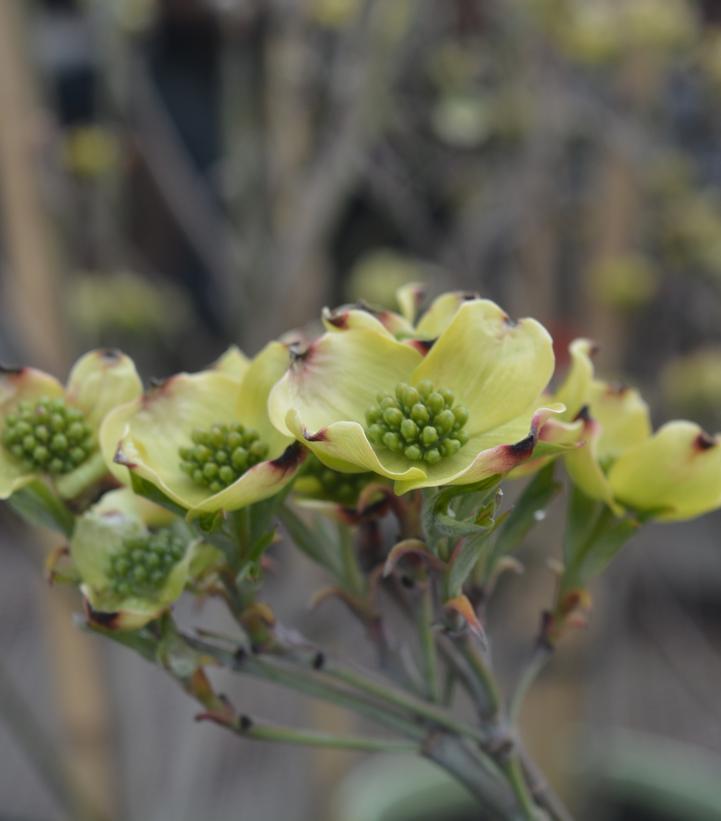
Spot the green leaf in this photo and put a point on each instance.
(594, 535)
(582, 518)
(536, 497)
(210, 522)
(37, 504)
(448, 513)
(602, 550)
(465, 560)
(149, 491)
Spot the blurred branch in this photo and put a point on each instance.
(185, 193)
(32, 289)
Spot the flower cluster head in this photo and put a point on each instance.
(672, 474)
(422, 423)
(455, 396)
(50, 430)
(452, 409)
(132, 562)
(204, 441)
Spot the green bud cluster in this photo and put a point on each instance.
(141, 567)
(48, 435)
(421, 422)
(221, 455)
(333, 485)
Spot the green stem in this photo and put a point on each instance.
(483, 676)
(493, 794)
(288, 735)
(515, 776)
(428, 642)
(310, 683)
(399, 698)
(538, 661)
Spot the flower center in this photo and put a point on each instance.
(333, 485)
(48, 435)
(421, 422)
(141, 567)
(221, 455)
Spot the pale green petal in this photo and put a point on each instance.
(98, 535)
(623, 417)
(576, 390)
(72, 484)
(13, 476)
(677, 472)
(111, 432)
(232, 363)
(16, 386)
(344, 446)
(496, 368)
(151, 430)
(441, 313)
(584, 469)
(28, 384)
(259, 482)
(348, 318)
(409, 298)
(125, 501)
(486, 454)
(251, 407)
(100, 381)
(338, 379)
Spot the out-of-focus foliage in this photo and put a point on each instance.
(124, 302)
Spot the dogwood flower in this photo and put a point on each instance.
(669, 475)
(468, 409)
(130, 574)
(204, 440)
(50, 430)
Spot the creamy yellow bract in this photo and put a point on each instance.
(495, 368)
(98, 382)
(113, 538)
(146, 436)
(669, 475)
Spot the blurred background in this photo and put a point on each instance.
(178, 175)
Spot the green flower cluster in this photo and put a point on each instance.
(143, 564)
(48, 435)
(343, 488)
(221, 455)
(421, 422)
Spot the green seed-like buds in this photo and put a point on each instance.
(333, 485)
(420, 422)
(48, 435)
(221, 455)
(141, 567)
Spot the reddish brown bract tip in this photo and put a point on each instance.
(338, 320)
(11, 371)
(422, 345)
(108, 621)
(704, 441)
(523, 449)
(291, 457)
